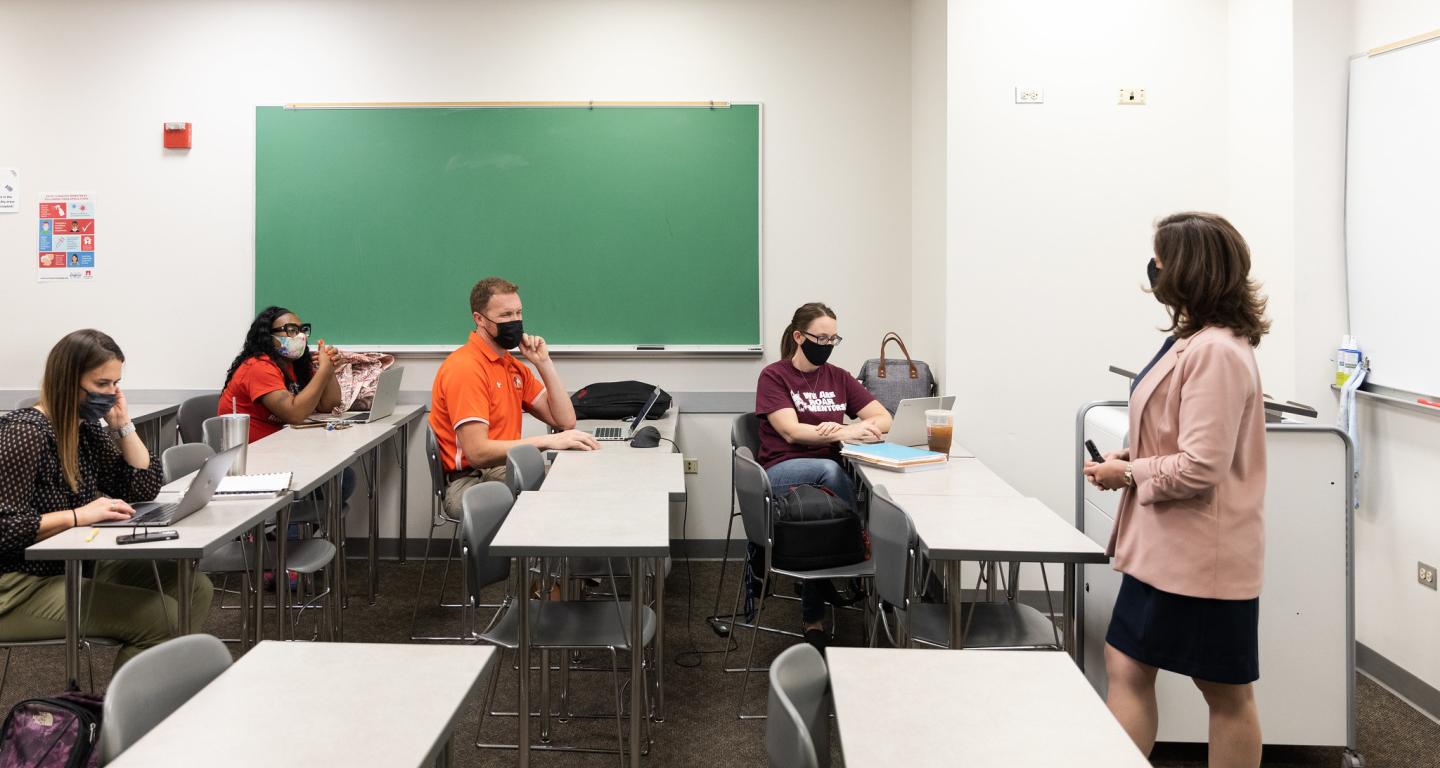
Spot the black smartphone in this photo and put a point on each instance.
(1094, 452)
(144, 536)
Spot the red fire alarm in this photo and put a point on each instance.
(177, 135)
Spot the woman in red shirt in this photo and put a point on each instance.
(274, 378)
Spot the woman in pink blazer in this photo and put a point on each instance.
(1190, 532)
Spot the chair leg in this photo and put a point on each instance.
(619, 706)
(5, 673)
(489, 701)
(750, 658)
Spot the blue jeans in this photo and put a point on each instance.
(828, 473)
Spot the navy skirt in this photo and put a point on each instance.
(1203, 638)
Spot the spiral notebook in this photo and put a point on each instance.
(254, 486)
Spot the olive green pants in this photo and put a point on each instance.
(119, 602)
(455, 492)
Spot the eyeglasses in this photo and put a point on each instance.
(829, 341)
(292, 330)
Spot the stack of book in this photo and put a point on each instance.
(896, 458)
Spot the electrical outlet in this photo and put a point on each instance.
(692, 466)
(1132, 96)
(1426, 576)
(1029, 95)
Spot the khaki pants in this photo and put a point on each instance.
(120, 602)
(455, 491)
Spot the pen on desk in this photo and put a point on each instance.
(93, 533)
(1430, 403)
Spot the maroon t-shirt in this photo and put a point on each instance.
(825, 394)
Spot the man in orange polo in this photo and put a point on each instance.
(481, 390)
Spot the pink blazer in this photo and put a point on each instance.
(1194, 524)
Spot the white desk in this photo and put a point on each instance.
(353, 704)
(200, 534)
(617, 470)
(630, 524)
(982, 708)
(959, 477)
(1006, 529)
(667, 425)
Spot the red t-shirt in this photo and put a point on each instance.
(255, 378)
(827, 393)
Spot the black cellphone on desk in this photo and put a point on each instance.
(1094, 452)
(144, 536)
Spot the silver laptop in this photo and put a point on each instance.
(202, 488)
(620, 433)
(908, 426)
(387, 394)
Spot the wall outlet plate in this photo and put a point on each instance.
(1025, 95)
(1132, 96)
(692, 466)
(1426, 576)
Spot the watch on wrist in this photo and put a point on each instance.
(1129, 474)
(125, 431)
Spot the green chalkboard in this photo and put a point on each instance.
(623, 226)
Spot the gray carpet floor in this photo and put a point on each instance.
(701, 728)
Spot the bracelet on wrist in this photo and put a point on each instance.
(125, 431)
(75, 516)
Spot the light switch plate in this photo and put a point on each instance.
(1132, 96)
(1024, 95)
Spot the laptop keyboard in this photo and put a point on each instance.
(155, 514)
(609, 433)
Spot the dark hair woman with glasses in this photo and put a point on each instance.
(275, 379)
(802, 401)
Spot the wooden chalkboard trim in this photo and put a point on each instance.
(503, 104)
(1398, 44)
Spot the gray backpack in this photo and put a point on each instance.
(892, 379)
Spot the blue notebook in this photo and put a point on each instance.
(891, 453)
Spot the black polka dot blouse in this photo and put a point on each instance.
(32, 483)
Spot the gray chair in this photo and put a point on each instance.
(192, 415)
(438, 519)
(555, 624)
(26, 402)
(797, 731)
(153, 685)
(752, 489)
(304, 556)
(524, 468)
(990, 625)
(744, 433)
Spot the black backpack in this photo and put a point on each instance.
(814, 529)
(618, 399)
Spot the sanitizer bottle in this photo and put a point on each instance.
(1347, 360)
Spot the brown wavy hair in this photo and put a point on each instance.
(60, 390)
(1205, 277)
(803, 317)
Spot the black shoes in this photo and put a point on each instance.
(817, 638)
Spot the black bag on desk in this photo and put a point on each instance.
(617, 400)
(814, 529)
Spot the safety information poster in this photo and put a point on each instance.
(9, 190)
(67, 237)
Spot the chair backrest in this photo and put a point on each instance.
(745, 433)
(797, 723)
(752, 490)
(212, 432)
(432, 458)
(153, 685)
(892, 539)
(26, 402)
(524, 468)
(193, 413)
(486, 506)
(180, 460)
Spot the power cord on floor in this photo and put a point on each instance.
(694, 657)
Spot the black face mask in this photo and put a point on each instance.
(817, 354)
(95, 405)
(509, 333)
(1152, 270)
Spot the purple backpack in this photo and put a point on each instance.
(61, 732)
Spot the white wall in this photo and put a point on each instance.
(175, 230)
(928, 106)
(1050, 209)
(1397, 524)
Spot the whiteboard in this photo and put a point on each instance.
(1392, 214)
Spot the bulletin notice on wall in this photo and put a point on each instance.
(67, 237)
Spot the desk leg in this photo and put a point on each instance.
(282, 579)
(659, 640)
(522, 704)
(72, 621)
(374, 526)
(955, 593)
(339, 594)
(1067, 614)
(184, 585)
(637, 656)
(257, 581)
(404, 482)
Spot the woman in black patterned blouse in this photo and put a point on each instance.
(59, 469)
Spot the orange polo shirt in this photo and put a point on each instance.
(476, 384)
